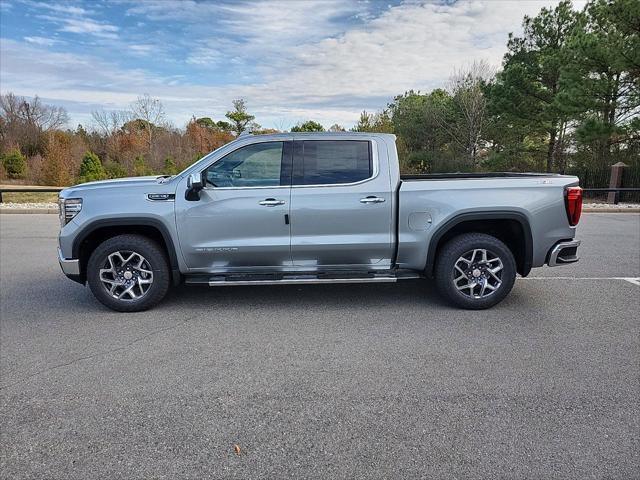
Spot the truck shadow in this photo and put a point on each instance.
(338, 295)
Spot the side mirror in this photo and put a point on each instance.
(195, 183)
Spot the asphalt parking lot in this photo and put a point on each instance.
(333, 381)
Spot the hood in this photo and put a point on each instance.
(128, 182)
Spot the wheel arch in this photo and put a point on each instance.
(511, 227)
(96, 232)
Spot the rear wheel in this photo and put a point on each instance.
(475, 271)
(128, 273)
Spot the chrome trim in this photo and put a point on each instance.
(69, 266)
(372, 200)
(554, 254)
(271, 202)
(294, 281)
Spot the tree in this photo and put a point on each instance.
(374, 122)
(109, 122)
(151, 112)
(204, 139)
(336, 128)
(206, 122)
(239, 117)
(91, 168)
(308, 126)
(56, 159)
(14, 164)
(602, 78)
(114, 169)
(140, 167)
(526, 91)
(170, 167)
(466, 87)
(24, 122)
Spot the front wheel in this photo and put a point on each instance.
(475, 271)
(128, 273)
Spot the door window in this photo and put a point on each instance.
(255, 165)
(326, 162)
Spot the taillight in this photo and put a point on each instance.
(573, 204)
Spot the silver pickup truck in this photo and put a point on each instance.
(314, 208)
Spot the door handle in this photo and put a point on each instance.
(271, 202)
(372, 199)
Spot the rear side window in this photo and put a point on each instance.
(325, 162)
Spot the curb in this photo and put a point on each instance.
(611, 210)
(28, 210)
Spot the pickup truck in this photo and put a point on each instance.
(300, 208)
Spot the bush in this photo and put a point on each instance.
(170, 167)
(115, 170)
(140, 167)
(14, 164)
(91, 168)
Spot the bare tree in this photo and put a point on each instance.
(108, 122)
(466, 88)
(151, 111)
(24, 121)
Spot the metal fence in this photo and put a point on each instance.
(18, 189)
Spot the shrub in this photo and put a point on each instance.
(115, 170)
(91, 168)
(170, 167)
(14, 164)
(140, 167)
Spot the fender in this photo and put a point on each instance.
(126, 222)
(484, 215)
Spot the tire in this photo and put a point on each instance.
(128, 262)
(469, 279)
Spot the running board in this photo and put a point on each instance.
(292, 279)
(295, 281)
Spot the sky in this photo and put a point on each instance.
(291, 60)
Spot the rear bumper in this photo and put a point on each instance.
(70, 267)
(563, 253)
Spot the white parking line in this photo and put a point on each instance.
(634, 280)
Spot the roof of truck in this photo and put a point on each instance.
(314, 134)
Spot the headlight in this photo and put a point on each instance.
(68, 208)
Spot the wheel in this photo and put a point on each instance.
(475, 271)
(128, 273)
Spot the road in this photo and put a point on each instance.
(333, 381)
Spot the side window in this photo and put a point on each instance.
(255, 165)
(332, 162)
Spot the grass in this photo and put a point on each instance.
(29, 197)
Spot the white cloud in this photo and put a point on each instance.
(308, 67)
(141, 49)
(59, 8)
(48, 42)
(84, 26)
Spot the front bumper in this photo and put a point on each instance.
(563, 253)
(70, 267)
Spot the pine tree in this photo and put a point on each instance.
(91, 168)
(14, 164)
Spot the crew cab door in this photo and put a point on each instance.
(241, 220)
(341, 205)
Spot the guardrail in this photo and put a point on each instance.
(21, 189)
